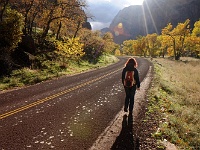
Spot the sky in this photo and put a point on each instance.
(104, 11)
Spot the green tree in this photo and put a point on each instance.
(10, 34)
(11, 29)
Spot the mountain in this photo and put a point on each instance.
(152, 17)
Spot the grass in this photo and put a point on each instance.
(174, 97)
(50, 70)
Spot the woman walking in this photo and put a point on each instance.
(131, 82)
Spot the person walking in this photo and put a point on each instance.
(131, 83)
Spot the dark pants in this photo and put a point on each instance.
(129, 100)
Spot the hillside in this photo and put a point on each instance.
(152, 17)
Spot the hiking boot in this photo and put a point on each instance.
(125, 109)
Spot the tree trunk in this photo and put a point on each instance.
(78, 26)
(46, 29)
(2, 11)
(58, 32)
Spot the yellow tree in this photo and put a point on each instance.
(152, 44)
(110, 46)
(193, 41)
(196, 30)
(164, 45)
(128, 48)
(70, 49)
(178, 35)
(140, 46)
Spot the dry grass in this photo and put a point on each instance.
(177, 90)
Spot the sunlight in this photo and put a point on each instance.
(135, 2)
(152, 19)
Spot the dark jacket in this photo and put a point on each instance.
(136, 74)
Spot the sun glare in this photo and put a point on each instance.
(136, 2)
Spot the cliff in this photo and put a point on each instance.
(152, 17)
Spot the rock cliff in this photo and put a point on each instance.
(152, 17)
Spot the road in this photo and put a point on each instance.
(68, 113)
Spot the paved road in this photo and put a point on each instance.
(68, 113)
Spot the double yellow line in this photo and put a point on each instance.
(7, 114)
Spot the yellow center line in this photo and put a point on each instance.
(7, 114)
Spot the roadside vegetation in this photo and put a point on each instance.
(26, 76)
(174, 102)
(44, 39)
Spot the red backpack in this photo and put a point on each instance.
(129, 80)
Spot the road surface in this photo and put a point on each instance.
(68, 113)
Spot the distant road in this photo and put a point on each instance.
(67, 113)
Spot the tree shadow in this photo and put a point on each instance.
(126, 140)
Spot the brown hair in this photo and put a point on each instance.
(131, 61)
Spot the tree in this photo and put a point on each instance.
(128, 47)
(10, 35)
(109, 44)
(11, 29)
(193, 41)
(164, 44)
(151, 44)
(57, 11)
(3, 5)
(94, 45)
(140, 46)
(69, 49)
(178, 35)
(196, 30)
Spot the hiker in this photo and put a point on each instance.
(131, 82)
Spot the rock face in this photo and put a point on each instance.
(152, 17)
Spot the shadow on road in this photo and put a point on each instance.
(125, 140)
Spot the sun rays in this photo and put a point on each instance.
(150, 15)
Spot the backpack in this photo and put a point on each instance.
(129, 79)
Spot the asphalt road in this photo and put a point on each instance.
(68, 113)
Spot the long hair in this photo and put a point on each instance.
(131, 61)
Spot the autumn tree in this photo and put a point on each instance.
(193, 41)
(109, 43)
(152, 44)
(70, 49)
(94, 45)
(140, 46)
(128, 47)
(57, 11)
(178, 35)
(3, 5)
(10, 34)
(163, 44)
